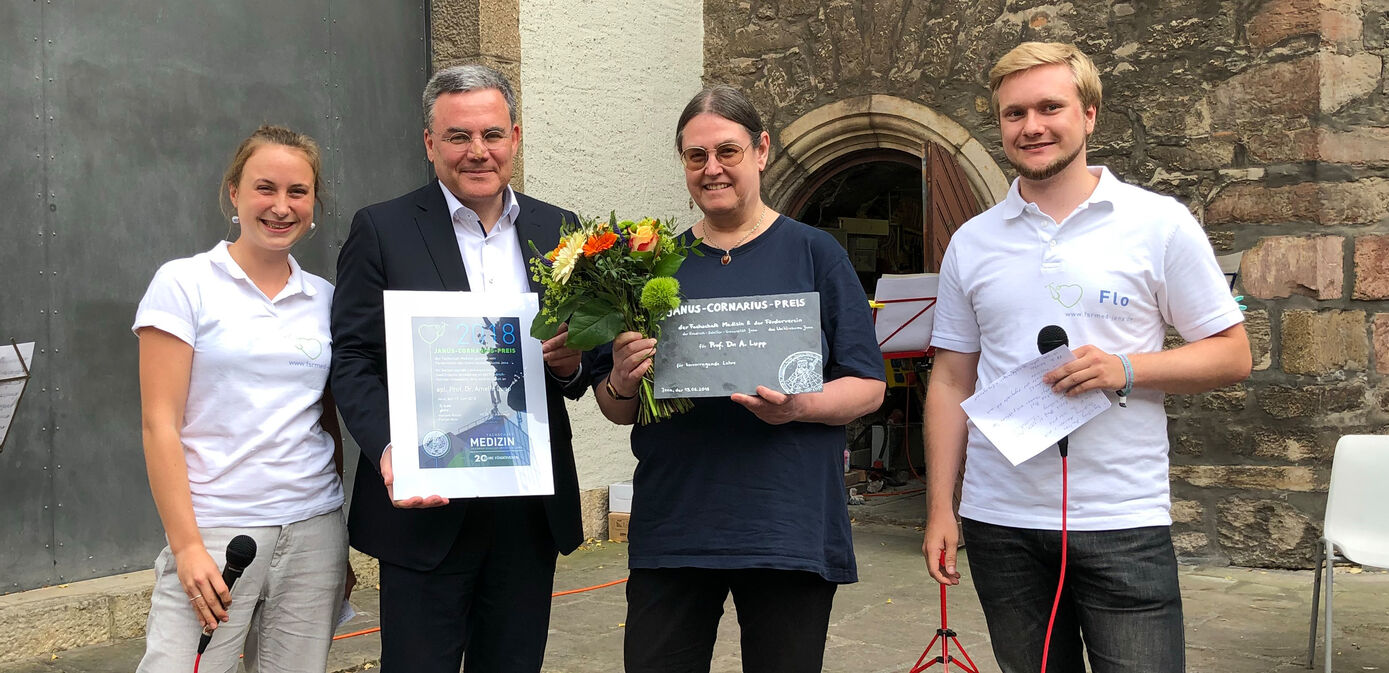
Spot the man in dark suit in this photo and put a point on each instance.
(462, 581)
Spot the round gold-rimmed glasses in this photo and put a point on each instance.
(727, 154)
(492, 139)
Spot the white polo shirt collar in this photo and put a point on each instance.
(220, 256)
(1015, 207)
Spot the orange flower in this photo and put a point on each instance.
(644, 237)
(599, 243)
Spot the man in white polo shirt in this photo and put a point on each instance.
(1113, 265)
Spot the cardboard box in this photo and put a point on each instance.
(863, 252)
(855, 477)
(617, 526)
(620, 497)
(858, 225)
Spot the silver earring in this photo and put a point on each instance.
(313, 225)
(236, 219)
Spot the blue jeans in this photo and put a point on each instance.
(1121, 602)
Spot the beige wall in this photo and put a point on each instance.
(604, 82)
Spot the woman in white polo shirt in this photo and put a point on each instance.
(239, 430)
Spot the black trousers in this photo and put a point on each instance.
(673, 619)
(487, 605)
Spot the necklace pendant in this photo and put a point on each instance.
(726, 259)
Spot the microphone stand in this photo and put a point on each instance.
(946, 636)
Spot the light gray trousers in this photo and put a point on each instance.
(283, 611)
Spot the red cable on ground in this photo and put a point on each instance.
(376, 629)
(1061, 582)
(557, 594)
(363, 632)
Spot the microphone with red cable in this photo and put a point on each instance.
(1049, 339)
(241, 551)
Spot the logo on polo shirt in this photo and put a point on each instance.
(1067, 295)
(309, 346)
(1110, 305)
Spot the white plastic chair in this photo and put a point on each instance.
(1356, 527)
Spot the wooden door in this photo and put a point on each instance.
(947, 201)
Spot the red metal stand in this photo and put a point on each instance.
(945, 636)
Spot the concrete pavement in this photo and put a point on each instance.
(1238, 620)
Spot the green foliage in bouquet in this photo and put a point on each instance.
(610, 277)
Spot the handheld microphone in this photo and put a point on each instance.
(1049, 339)
(240, 552)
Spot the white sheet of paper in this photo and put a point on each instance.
(9, 390)
(1022, 416)
(916, 335)
(345, 613)
(467, 395)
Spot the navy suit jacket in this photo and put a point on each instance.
(408, 243)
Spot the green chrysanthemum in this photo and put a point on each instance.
(660, 295)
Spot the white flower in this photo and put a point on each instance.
(567, 258)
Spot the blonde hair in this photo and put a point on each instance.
(1030, 55)
(270, 134)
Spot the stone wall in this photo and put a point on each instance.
(1267, 117)
(486, 32)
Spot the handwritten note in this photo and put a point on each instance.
(12, 382)
(1022, 416)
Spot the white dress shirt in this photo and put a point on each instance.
(493, 259)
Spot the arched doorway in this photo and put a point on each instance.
(870, 201)
(890, 178)
(892, 211)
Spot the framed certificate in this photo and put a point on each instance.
(467, 395)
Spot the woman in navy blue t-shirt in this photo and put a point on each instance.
(743, 494)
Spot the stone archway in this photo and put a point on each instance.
(875, 122)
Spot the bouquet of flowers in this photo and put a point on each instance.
(609, 277)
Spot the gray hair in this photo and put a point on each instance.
(464, 78)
